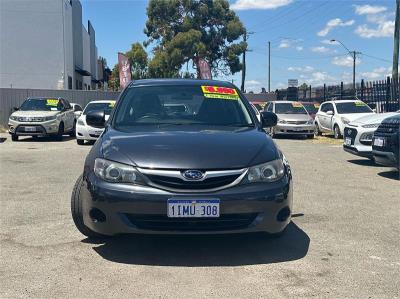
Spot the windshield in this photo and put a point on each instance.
(352, 107)
(106, 107)
(290, 108)
(41, 105)
(311, 108)
(181, 105)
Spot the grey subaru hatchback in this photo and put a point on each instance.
(205, 167)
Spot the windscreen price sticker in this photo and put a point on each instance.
(219, 92)
(112, 104)
(360, 104)
(51, 102)
(297, 105)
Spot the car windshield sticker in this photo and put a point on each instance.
(297, 105)
(218, 92)
(111, 105)
(52, 102)
(360, 104)
(316, 105)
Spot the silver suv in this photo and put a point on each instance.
(42, 117)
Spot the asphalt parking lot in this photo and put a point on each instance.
(343, 241)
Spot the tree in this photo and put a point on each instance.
(138, 60)
(113, 83)
(186, 30)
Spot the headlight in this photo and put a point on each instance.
(80, 122)
(310, 122)
(345, 120)
(13, 117)
(282, 121)
(47, 118)
(371, 126)
(114, 172)
(367, 137)
(267, 172)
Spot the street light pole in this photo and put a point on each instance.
(353, 55)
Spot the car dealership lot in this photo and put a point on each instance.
(343, 242)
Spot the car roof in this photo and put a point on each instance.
(342, 101)
(101, 101)
(165, 82)
(284, 102)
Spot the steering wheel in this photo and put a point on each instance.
(149, 115)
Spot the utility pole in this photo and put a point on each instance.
(245, 37)
(269, 66)
(395, 70)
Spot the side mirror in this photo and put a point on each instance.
(96, 119)
(330, 112)
(268, 119)
(15, 108)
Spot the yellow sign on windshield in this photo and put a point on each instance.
(360, 104)
(297, 105)
(52, 102)
(316, 105)
(219, 92)
(112, 104)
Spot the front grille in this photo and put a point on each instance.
(388, 128)
(38, 129)
(94, 135)
(178, 183)
(350, 133)
(164, 223)
(296, 122)
(30, 119)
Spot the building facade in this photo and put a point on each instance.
(45, 45)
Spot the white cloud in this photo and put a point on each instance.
(259, 4)
(284, 44)
(318, 78)
(253, 82)
(369, 9)
(299, 48)
(320, 49)
(346, 61)
(378, 73)
(306, 69)
(332, 24)
(291, 43)
(384, 29)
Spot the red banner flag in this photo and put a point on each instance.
(124, 70)
(204, 68)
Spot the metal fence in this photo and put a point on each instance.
(382, 95)
(13, 97)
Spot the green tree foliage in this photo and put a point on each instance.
(113, 83)
(185, 30)
(138, 59)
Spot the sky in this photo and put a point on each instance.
(299, 31)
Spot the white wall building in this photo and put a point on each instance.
(43, 44)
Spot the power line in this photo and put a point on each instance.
(377, 58)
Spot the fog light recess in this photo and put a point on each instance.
(283, 214)
(96, 215)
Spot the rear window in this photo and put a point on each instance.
(352, 107)
(181, 105)
(290, 108)
(106, 107)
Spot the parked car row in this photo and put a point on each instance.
(40, 116)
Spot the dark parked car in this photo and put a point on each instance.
(208, 169)
(386, 140)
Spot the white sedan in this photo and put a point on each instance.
(88, 133)
(358, 134)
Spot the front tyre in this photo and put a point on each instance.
(76, 211)
(311, 136)
(80, 141)
(60, 132)
(14, 137)
(336, 132)
(72, 133)
(317, 132)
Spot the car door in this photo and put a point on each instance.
(323, 117)
(329, 118)
(68, 115)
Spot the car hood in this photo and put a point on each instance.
(34, 113)
(189, 148)
(372, 118)
(83, 118)
(294, 117)
(354, 116)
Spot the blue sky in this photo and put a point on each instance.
(299, 32)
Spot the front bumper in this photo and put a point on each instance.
(357, 147)
(40, 128)
(143, 209)
(87, 133)
(292, 129)
(386, 159)
(388, 154)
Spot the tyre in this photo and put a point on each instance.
(317, 132)
(80, 141)
(336, 132)
(76, 211)
(60, 133)
(72, 133)
(14, 137)
(311, 136)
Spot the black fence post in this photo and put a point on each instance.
(389, 105)
(341, 90)
(362, 90)
(310, 92)
(324, 92)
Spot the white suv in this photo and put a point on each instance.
(333, 116)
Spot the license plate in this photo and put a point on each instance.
(97, 133)
(30, 129)
(193, 208)
(379, 141)
(347, 141)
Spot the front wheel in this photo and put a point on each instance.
(311, 136)
(80, 141)
(76, 211)
(317, 132)
(336, 132)
(60, 132)
(14, 137)
(72, 133)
